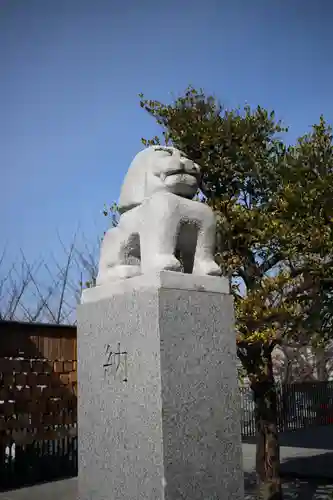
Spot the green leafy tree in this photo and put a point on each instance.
(274, 210)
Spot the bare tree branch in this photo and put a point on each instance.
(48, 290)
(42, 298)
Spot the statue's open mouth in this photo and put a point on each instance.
(181, 175)
(182, 183)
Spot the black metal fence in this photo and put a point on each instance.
(40, 461)
(300, 406)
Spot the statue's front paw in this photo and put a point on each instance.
(206, 267)
(116, 273)
(165, 263)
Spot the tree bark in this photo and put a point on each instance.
(267, 443)
(257, 359)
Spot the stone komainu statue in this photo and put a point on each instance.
(160, 227)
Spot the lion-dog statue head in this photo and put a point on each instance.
(158, 169)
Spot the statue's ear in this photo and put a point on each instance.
(133, 189)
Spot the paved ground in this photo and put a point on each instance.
(58, 490)
(304, 453)
(308, 455)
(67, 490)
(294, 489)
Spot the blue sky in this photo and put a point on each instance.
(71, 72)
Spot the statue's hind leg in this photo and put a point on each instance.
(120, 254)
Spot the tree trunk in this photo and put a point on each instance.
(267, 443)
(257, 360)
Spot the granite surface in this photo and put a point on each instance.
(170, 280)
(161, 420)
(200, 396)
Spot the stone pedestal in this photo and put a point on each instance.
(159, 410)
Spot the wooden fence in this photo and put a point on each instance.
(38, 403)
